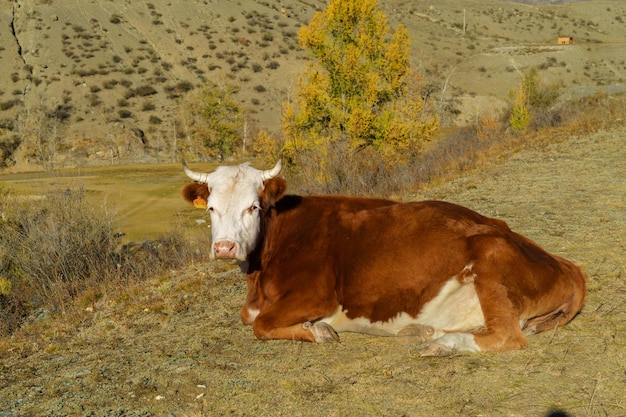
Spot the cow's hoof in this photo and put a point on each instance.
(415, 334)
(435, 349)
(322, 332)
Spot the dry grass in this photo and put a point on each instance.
(175, 345)
(61, 245)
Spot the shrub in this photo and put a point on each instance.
(109, 84)
(184, 86)
(145, 90)
(94, 100)
(124, 114)
(54, 248)
(8, 145)
(61, 112)
(6, 105)
(531, 105)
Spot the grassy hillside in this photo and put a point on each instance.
(174, 345)
(105, 79)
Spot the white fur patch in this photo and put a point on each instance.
(455, 309)
(458, 342)
(342, 323)
(253, 313)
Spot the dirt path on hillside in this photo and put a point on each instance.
(176, 346)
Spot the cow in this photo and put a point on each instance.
(431, 272)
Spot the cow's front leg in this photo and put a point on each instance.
(323, 332)
(292, 321)
(318, 332)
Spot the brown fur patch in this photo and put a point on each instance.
(195, 190)
(274, 189)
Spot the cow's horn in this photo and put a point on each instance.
(196, 176)
(271, 173)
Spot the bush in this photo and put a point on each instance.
(6, 105)
(124, 114)
(531, 106)
(55, 248)
(145, 90)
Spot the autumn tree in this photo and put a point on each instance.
(520, 114)
(358, 95)
(531, 101)
(211, 122)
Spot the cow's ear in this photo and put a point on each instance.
(273, 190)
(195, 190)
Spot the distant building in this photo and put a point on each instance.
(564, 40)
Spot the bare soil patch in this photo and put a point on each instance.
(176, 346)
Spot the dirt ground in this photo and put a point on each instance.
(176, 347)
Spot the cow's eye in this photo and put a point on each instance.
(255, 207)
(211, 209)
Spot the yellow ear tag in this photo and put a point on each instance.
(200, 203)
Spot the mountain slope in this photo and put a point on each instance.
(104, 80)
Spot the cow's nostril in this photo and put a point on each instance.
(225, 249)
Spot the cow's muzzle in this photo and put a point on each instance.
(225, 249)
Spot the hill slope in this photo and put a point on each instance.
(103, 80)
(175, 345)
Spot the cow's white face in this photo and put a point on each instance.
(234, 204)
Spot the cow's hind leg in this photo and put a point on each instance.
(501, 330)
(450, 344)
(415, 334)
(496, 338)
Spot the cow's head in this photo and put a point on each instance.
(236, 197)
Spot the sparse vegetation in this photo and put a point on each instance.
(57, 247)
(531, 103)
(212, 122)
(124, 113)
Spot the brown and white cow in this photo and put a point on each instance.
(431, 271)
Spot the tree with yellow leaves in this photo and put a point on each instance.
(358, 93)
